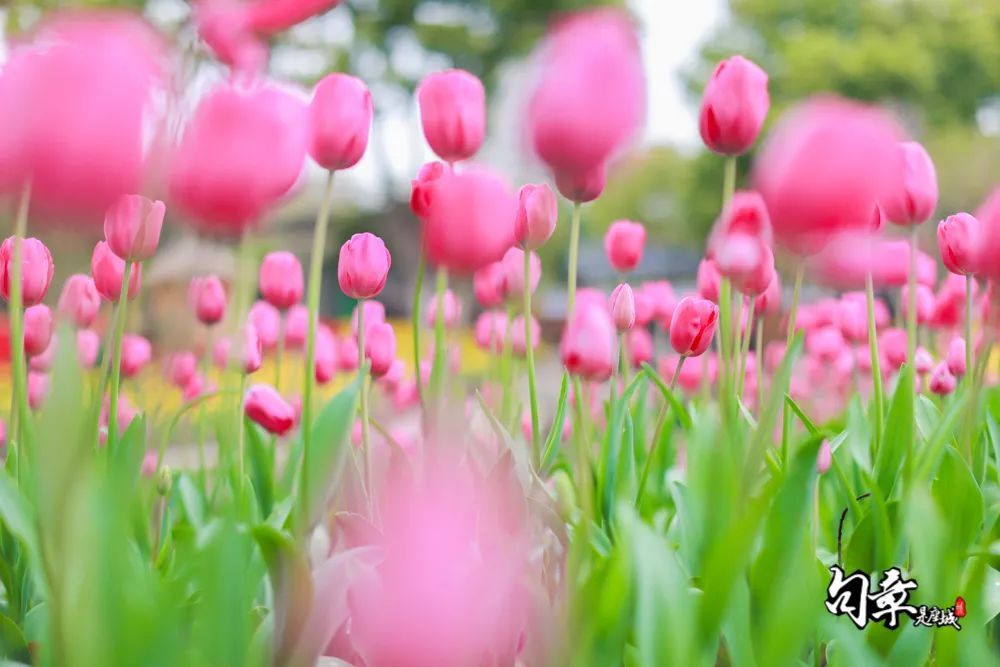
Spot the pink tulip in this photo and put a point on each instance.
(36, 270)
(43, 362)
(955, 357)
(136, 353)
(241, 152)
(769, 302)
(470, 222)
(148, 467)
(79, 301)
(251, 350)
(374, 312)
(639, 345)
(518, 342)
(588, 343)
(490, 285)
(363, 266)
(452, 113)
(708, 280)
(340, 120)
(853, 317)
(745, 214)
(220, 353)
(347, 354)
(37, 329)
(825, 457)
(132, 227)
(281, 281)
(451, 310)
(513, 267)
(591, 97)
(925, 303)
(393, 376)
(662, 299)
(328, 356)
(297, 324)
(88, 344)
(79, 101)
(923, 362)
(957, 240)
(693, 326)
(181, 367)
(422, 191)
(207, 297)
(986, 240)
(892, 343)
(267, 321)
(942, 380)
(747, 261)
(268, 17)
(38, 389)
(913, 194)
(822, 170)
(380, 347)
(537, 213)
(490, 330)
(622, 304)
(265, 406)
(825, 343)
(195, 387)
(108, 270)
(734, 106)
(623, 244)
(582, 187)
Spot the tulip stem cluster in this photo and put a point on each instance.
(121, 314)
(363, 379)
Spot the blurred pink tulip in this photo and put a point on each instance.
(623, 245)
(986, 242)
(347, 354)
(79, 301)
(958, 236)
(281, 281)
(693, 326)
(622, 305)
(734, 106)
(942, 380)
(453, 113)
(340, 121)
(267, 321)
(43, 361)
(363, 266)
(925, 303)
(374, 312)
(518, 341)
(207, 297)
(181, 367)
(195, 387)
(892, 344)
(537, 213)
(136, 353)
(582, 187)
(148, 467)
(38, 389)
(769, 301)
(662, 299)
(825, 343)
(37, 329)
(36, 270)
(329, 357)
(490, 330)
(220, 353)
(265, 406)
(708, 280)
(513, 267)
(88, 344)
(489, 285)
(451, 310)
(923, 362)
(380, 347)
(297, 323)
(639, 345)
(422, 187)
(588, 344)
(251, 350)
(913, 193)
(852, 316)
(108, 270)
(955, 358)
(132, 227)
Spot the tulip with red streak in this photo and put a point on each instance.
(265, 406)
(693, 325)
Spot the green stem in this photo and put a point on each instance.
(312, 303)
(529, 355)
(677, 371)
(507, 368)
(745, 347)
(416, 321)
(759, 346)
(363, 406)
(240, 436)
(793, 310)
(969, 281)
(728, 180)
(622, 360)
(439, 364)
(725, 331)
(574, 258)
(18, 404)
(202, 426)
(116, 360)
(911, 306)
(876, 366)
(279, 352)
(585, 480)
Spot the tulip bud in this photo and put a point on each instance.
(639, 345)
(328, 354)
(734, 106)
(297, 325)
(37, 329)
(132, 227)
(513, 272)
(942, 381)
(913, 195)
(693, 326)
(79, 300)
(108, 271)
(347, 354)
(587, 348)
(622, 302)
(374, 312)
(957, 240)
(281, 281)
(380, 347)
(340, 118)
(181, 367)
(251, 350)
(708, 280)
(893, 343)
(207, 297)
(956, 357)
(565, 495)
(518, 342)
(264, 406)
(88, 344)
(825, 457)
(136, 353)
(489, 331)
(164, 481)
(452, 113)
(623, 244)
(537, 212)
(582, 186)
(923, 362)
(451, 310)
(489, 285)
(43, 362)
(38, 389)
(36, 270)
(925, 303)
(363, 266)
(422, 186)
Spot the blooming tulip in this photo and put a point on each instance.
(513, 267)
(942, 381)
(622, 304)
(207, 297)
(537, 212)
(623, 244)
(340, 120)
(489, 285)
(36, 270)
(37, 329)
(281, 282)
(136, 353)
(108, 271)
(588, 343)
(380, 347)
(693, 326)
(452, 113)
(957, 240)
(913, 194)
(734, 106)
(79, 300)
(267, 321)
(363, 266)
(423, 187)
(265, 406)
(88, 344)
(132, 227)
(451, 310)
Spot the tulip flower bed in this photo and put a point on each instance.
(681, 492)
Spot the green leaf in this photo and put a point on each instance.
(959, 499)
(800, 413)
(896, 450)
(769, 414)
(291, 582)
(16, 513)
(191, 500)
(13, 645)
(679, 410)
(551, 449)
(611, 449)
(261, 467)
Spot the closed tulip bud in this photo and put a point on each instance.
(892, 343)
(587, 348)
(537, 212)
(347, 354)
(825, 457)
(489, 331)
(267, 320)
(639, 345)
(422, 187)
(328, 355)
(451, 310)
(747, 261)
(957, 240)
(374, 312)
(36, 270)
(380, 348)
(942, 380)
(297, 325)
(38, 389)
(88, 344)
(136, 353)
(708, 280)
(693, 326)
(363, 266)
(489, 285)
(925, 303)
(622, 303)
(220, 353)
(164, 481)
(251, 351)
(132, 227)
(518, 341)
(734, 106)
(43, 362)
(582, 186)
(281, 282)
(181, 367)
(923, 362)
(624, 243)
(913, 195)
(107, 270)
(513, 269)
(37, 329)
(956, 357)
(207, 297)
(265, 406)
(340, 118)
(452, 113)
(79, 301)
